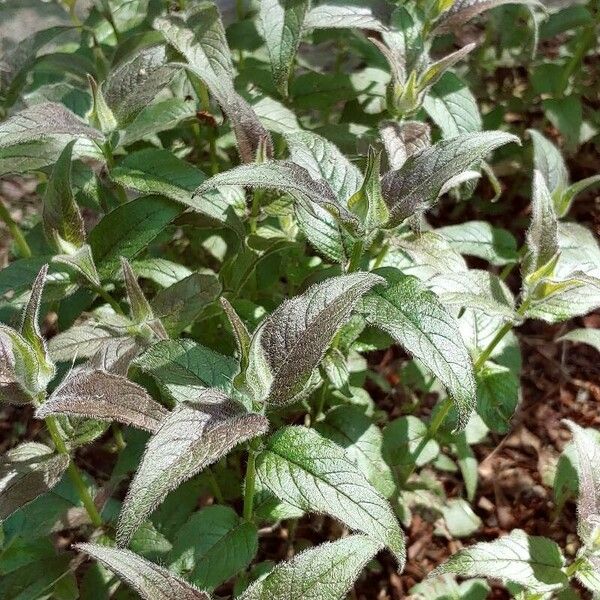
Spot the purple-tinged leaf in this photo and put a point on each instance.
(104, 396)
(192, 437)
(150, 581)
(402, 140)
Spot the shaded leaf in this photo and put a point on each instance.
(184, 369)
(150, 581)
(128, 229)
(402, 140)
(134, 84)
(588, 504)
(213, 545)
(63, 223)
(314, 474)
(180, 304)
(191, 437)
(26, 472)
(479, 238)
(325, 572)
(498, 393)
(97, 394)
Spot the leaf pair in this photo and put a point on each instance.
(325, 572)
(201, 41)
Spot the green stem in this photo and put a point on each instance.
(215, 487)
(432, 430)
(575, 566)
(240, 9)
(381, 256)
(74, 473)
(15, 232)
(586, 43)
(250, 482)
(108, 298)
(255, 210)
(502, 332)
(357, 252)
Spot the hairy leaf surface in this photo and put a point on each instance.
(534, 562)
(150, 581)
(191, 437)
(97, 394)
(416, 319)
(185, 369)
(422, 178)
(308, 471)
(325, 572)
(291, 341)
(26, 472)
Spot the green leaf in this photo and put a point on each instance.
(462, 11)
(282, 23)
(30, 330)
(588, 473)
(63, 223)
(531, 561)
(452, 107)
(141, 311)
(478, 238)
(460, 519)
(324, 161)
(583, 336)
(161, 271)
(128, 229)
(284, 176)
(566, 114)
(446, 588)
(26, 472)
(542, 235)
(406, 443)
(548, 160)
(97, 394)
(566, 296)
(191, 437)
(325, 572)
(314, 474)
(350, 428)
(184, 368)
(434, 71)
(423, 177)
(161, 116)
(292, 341)
(12, 390)
(203, 44)
(416, 319)
(348, 14)
(17, 62)
(498, 393)
(135, 83)
(368, 203)
(212, 546)
(563, 203)
(181, 304)
(158, 171)
(150, 581)
(402, 140)
(79, 341)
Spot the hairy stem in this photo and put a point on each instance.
(432, 430)
(108, 298)
(214, 486)
(74, 473)
(502, 332)
(250, 481)
(357, 252)
(15, 232)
